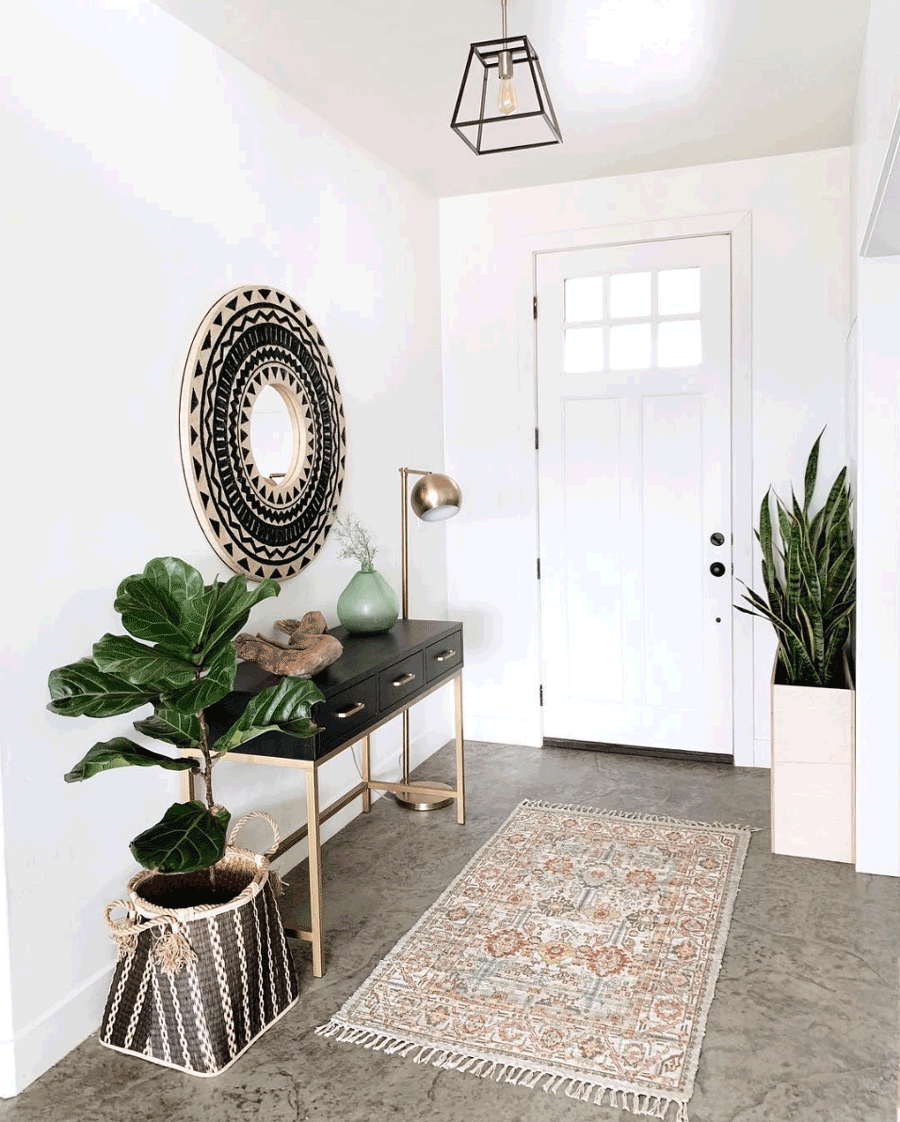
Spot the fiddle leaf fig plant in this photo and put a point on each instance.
(809, 579)
(178, 658)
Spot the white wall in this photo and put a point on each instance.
(800, 243)
(146, 173)
(874, 368)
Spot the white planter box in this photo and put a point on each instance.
(813, 765)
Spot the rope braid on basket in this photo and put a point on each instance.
(172, 950)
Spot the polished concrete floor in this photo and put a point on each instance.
(803, 1028)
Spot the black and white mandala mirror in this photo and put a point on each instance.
(263, 439)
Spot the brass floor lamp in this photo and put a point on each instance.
(434, 498)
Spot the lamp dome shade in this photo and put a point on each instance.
(435, 497)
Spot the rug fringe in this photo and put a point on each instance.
(636, 816)
(637, 1102)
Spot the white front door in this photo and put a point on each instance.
(634, 416)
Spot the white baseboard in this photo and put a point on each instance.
(501, 730)
(43, 1043)
(762, 752)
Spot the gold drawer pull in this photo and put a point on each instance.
(403, 679)
(343, 714)
(444, 655)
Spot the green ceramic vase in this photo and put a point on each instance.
(368, 604)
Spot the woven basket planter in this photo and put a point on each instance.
(195, 987)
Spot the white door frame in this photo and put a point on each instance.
(737, 226)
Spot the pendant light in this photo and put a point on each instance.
(506, 105)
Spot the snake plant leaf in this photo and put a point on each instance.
(765, 531)
(839, 578)
(149, 612)
(812, 470)
(121, 752)
(784, 523)
(836, 496)
(82, 689)
(232, 607)
(187, 838)
(180, 729)
(285, 708)
(205, 691)
(143, 665)
(795, 507)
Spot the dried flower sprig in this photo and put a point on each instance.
(355, 540)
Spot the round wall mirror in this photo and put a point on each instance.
(262, 433)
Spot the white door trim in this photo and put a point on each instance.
(737, 225)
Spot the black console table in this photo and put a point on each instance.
(376, 678)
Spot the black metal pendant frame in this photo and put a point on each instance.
(488, 54)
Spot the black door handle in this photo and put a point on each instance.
(717, 569)
(717, 538)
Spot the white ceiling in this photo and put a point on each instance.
(637, 84)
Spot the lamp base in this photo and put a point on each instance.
(410, 801)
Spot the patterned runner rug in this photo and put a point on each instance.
(577, 951)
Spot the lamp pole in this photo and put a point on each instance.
(405, 473)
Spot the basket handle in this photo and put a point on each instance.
(266, 817)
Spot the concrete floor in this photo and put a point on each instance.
(804, 1025)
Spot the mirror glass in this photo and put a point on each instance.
(272, 434)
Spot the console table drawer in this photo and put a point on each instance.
(442, 656)
(400, 680)
(351, 709)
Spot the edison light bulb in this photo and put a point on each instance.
(508, 103)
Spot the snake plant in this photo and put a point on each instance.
(186, 663)
(809, 579)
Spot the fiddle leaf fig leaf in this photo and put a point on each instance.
(197, 613)
(234, 602)
(121, 752)
(180, 729)
(232, 609)
(143, 665)
(175, 577)
(82, 689)
(285, 708)
(188, 837)
(148, 612)
(169, 604)
(206, 691)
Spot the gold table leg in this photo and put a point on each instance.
(315, 869)
(366, 775)
(187, 786)
(460, 754)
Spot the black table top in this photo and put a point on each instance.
(362, 654)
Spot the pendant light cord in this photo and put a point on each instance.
(503, 6)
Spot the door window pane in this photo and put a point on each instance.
(679, 343)
(629, 295)
(629, 347)
(679, 292)
(584, 349)
(584, 298)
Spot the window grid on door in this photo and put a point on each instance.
(633, 321)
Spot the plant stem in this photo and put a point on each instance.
(207, 776)
(207, 758)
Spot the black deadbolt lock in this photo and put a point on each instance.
(717, 538)
(717, 569)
